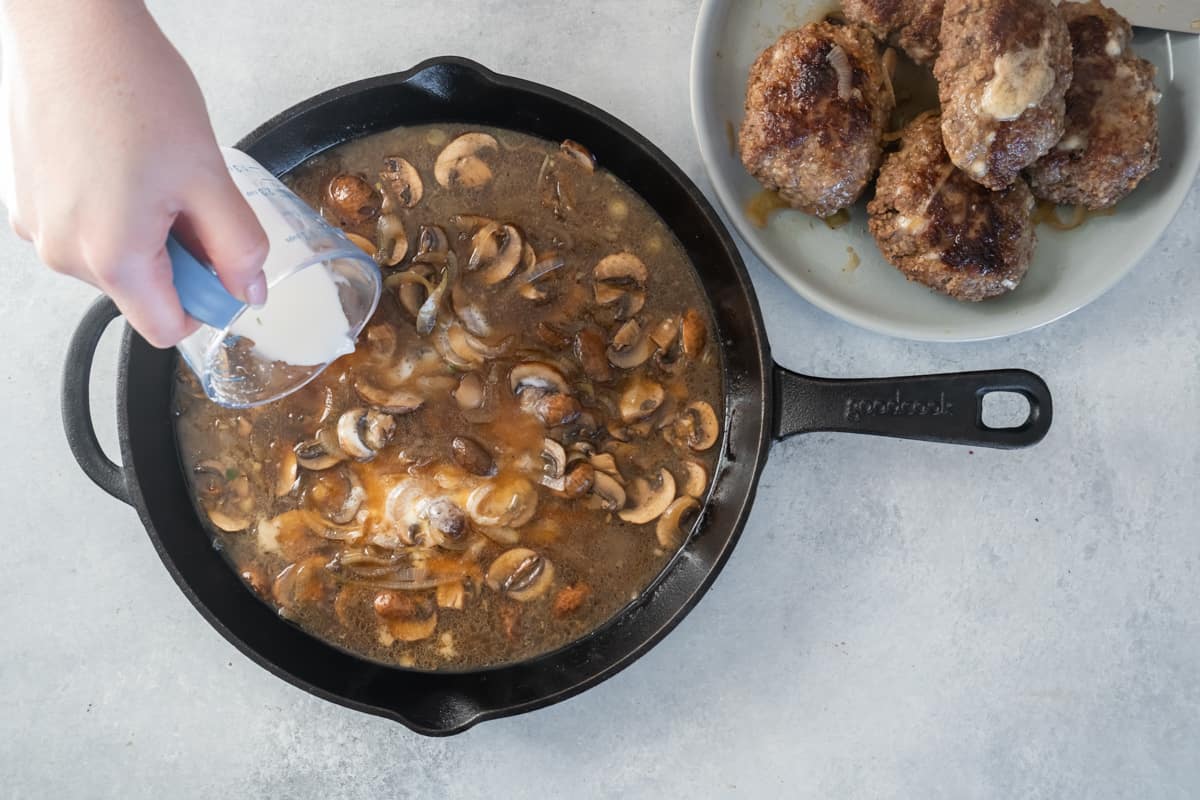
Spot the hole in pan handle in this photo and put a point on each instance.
(936, 408)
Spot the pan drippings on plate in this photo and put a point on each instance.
(524, 435)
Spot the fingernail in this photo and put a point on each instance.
(256, 291)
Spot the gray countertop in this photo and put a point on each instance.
(899, 619)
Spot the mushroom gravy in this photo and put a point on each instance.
(525, 434)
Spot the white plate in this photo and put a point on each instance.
(1070, 268)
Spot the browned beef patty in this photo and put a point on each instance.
(911, 25)
(816, 104)
(1111, 137)
(943, 229)
(1002, 74)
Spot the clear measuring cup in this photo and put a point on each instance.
(321, 290)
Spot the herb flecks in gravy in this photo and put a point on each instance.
(524, 435)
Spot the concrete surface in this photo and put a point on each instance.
(900, 620)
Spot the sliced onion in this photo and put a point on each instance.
(841, 65)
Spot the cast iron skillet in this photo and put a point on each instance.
(763, 403)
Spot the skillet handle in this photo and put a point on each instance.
(76, 401)
(936, 408)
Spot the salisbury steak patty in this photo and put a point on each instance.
(1111, 138)
(911, 25)
(943, 229)
(1002, 74)
(816, 104)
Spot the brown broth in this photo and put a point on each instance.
(235, 458)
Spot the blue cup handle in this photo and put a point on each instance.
(200, 290)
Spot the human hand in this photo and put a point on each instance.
(105, 146)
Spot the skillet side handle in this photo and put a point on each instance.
(76, 401)
(936, 408)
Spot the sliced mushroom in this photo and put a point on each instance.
(663, 334)
(381, 339)
(462, 354)
(554, 459)
(362, 432)
(319, 453)
(590, 352)
(525, 287)
(650, 501)
(459, 163)
(472, 456)
(579, 155)
(301, 583)
(623, 269)
(667, 530)
(378, 429)
(552, 336)
(362, 243)
(447, 523)
(472, 347)
(288, 474)
(504, 504)
(393, 240)
(225, 495)
(629, 304)
(580, 450)
(695, 333)
(606, 463)
(393, 401)
(627, 335)
(497, 250)
(412, 286)
(696, 426)
(554, 409)
(470, 222)
(631, 346)
(579, 479)
(500, 534)
(670, 361)
(697, 479)
(537, 375)
(470, 313)
(521, 573)
(402, 181)
(353, 200)
(452, 595)
(641, 398)
(291, 534)
(470, 392)
(228, 521)
(485, 245)
(407, 616)
(337, 495)
(431, 239)
(618, 432)
(611, 494)
(607, 293)
(532, 287)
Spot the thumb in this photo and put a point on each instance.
(217, 225)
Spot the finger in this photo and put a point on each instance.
(144, 290)
(18, 228)
(218, 223)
